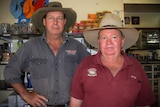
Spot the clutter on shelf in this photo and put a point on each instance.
(92, 21)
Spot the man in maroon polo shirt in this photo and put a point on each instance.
(111, 78)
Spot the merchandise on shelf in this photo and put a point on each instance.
(92, 21)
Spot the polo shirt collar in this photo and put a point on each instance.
(127, 60)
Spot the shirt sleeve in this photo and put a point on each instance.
(82, 52)
(17, 63)
(146, 95)
(77, 85)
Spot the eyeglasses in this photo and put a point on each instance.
(104, 38)
(58, 19)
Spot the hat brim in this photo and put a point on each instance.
(131, 36)
(39, 14)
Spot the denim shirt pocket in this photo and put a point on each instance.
(39, 75)
(71, 64)
(38, 68)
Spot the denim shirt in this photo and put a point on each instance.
(50, 75)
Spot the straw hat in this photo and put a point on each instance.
(131, 35)
(53, 6)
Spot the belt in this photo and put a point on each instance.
(63, 105)
(55, 105)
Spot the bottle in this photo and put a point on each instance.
(5, 52)
(154, 55)
(25, 80)
(29, 85)
(19, 43)
(150, 55)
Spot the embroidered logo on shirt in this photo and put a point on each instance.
(71, 52)
(133, 77)
(92, 72)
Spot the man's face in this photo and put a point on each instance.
(110, 41)
(54, 22)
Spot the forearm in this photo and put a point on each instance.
(32, 98)
(20, 89)
(75, 102)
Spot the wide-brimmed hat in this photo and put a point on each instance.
(111, 21)
(38, 15)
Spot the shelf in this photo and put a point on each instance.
(150, 62)
(153, 73)
(3, 63)
(131, 7)
(148, 28)
(17, 36)
(8, 35)
(75, 35)
(11, 89)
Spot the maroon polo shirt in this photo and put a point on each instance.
(94, 84)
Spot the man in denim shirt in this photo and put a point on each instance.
(51, 59)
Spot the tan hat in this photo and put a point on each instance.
(114, 22)
(53, 6)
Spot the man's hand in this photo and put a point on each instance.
(32, 98)
(35, 99)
